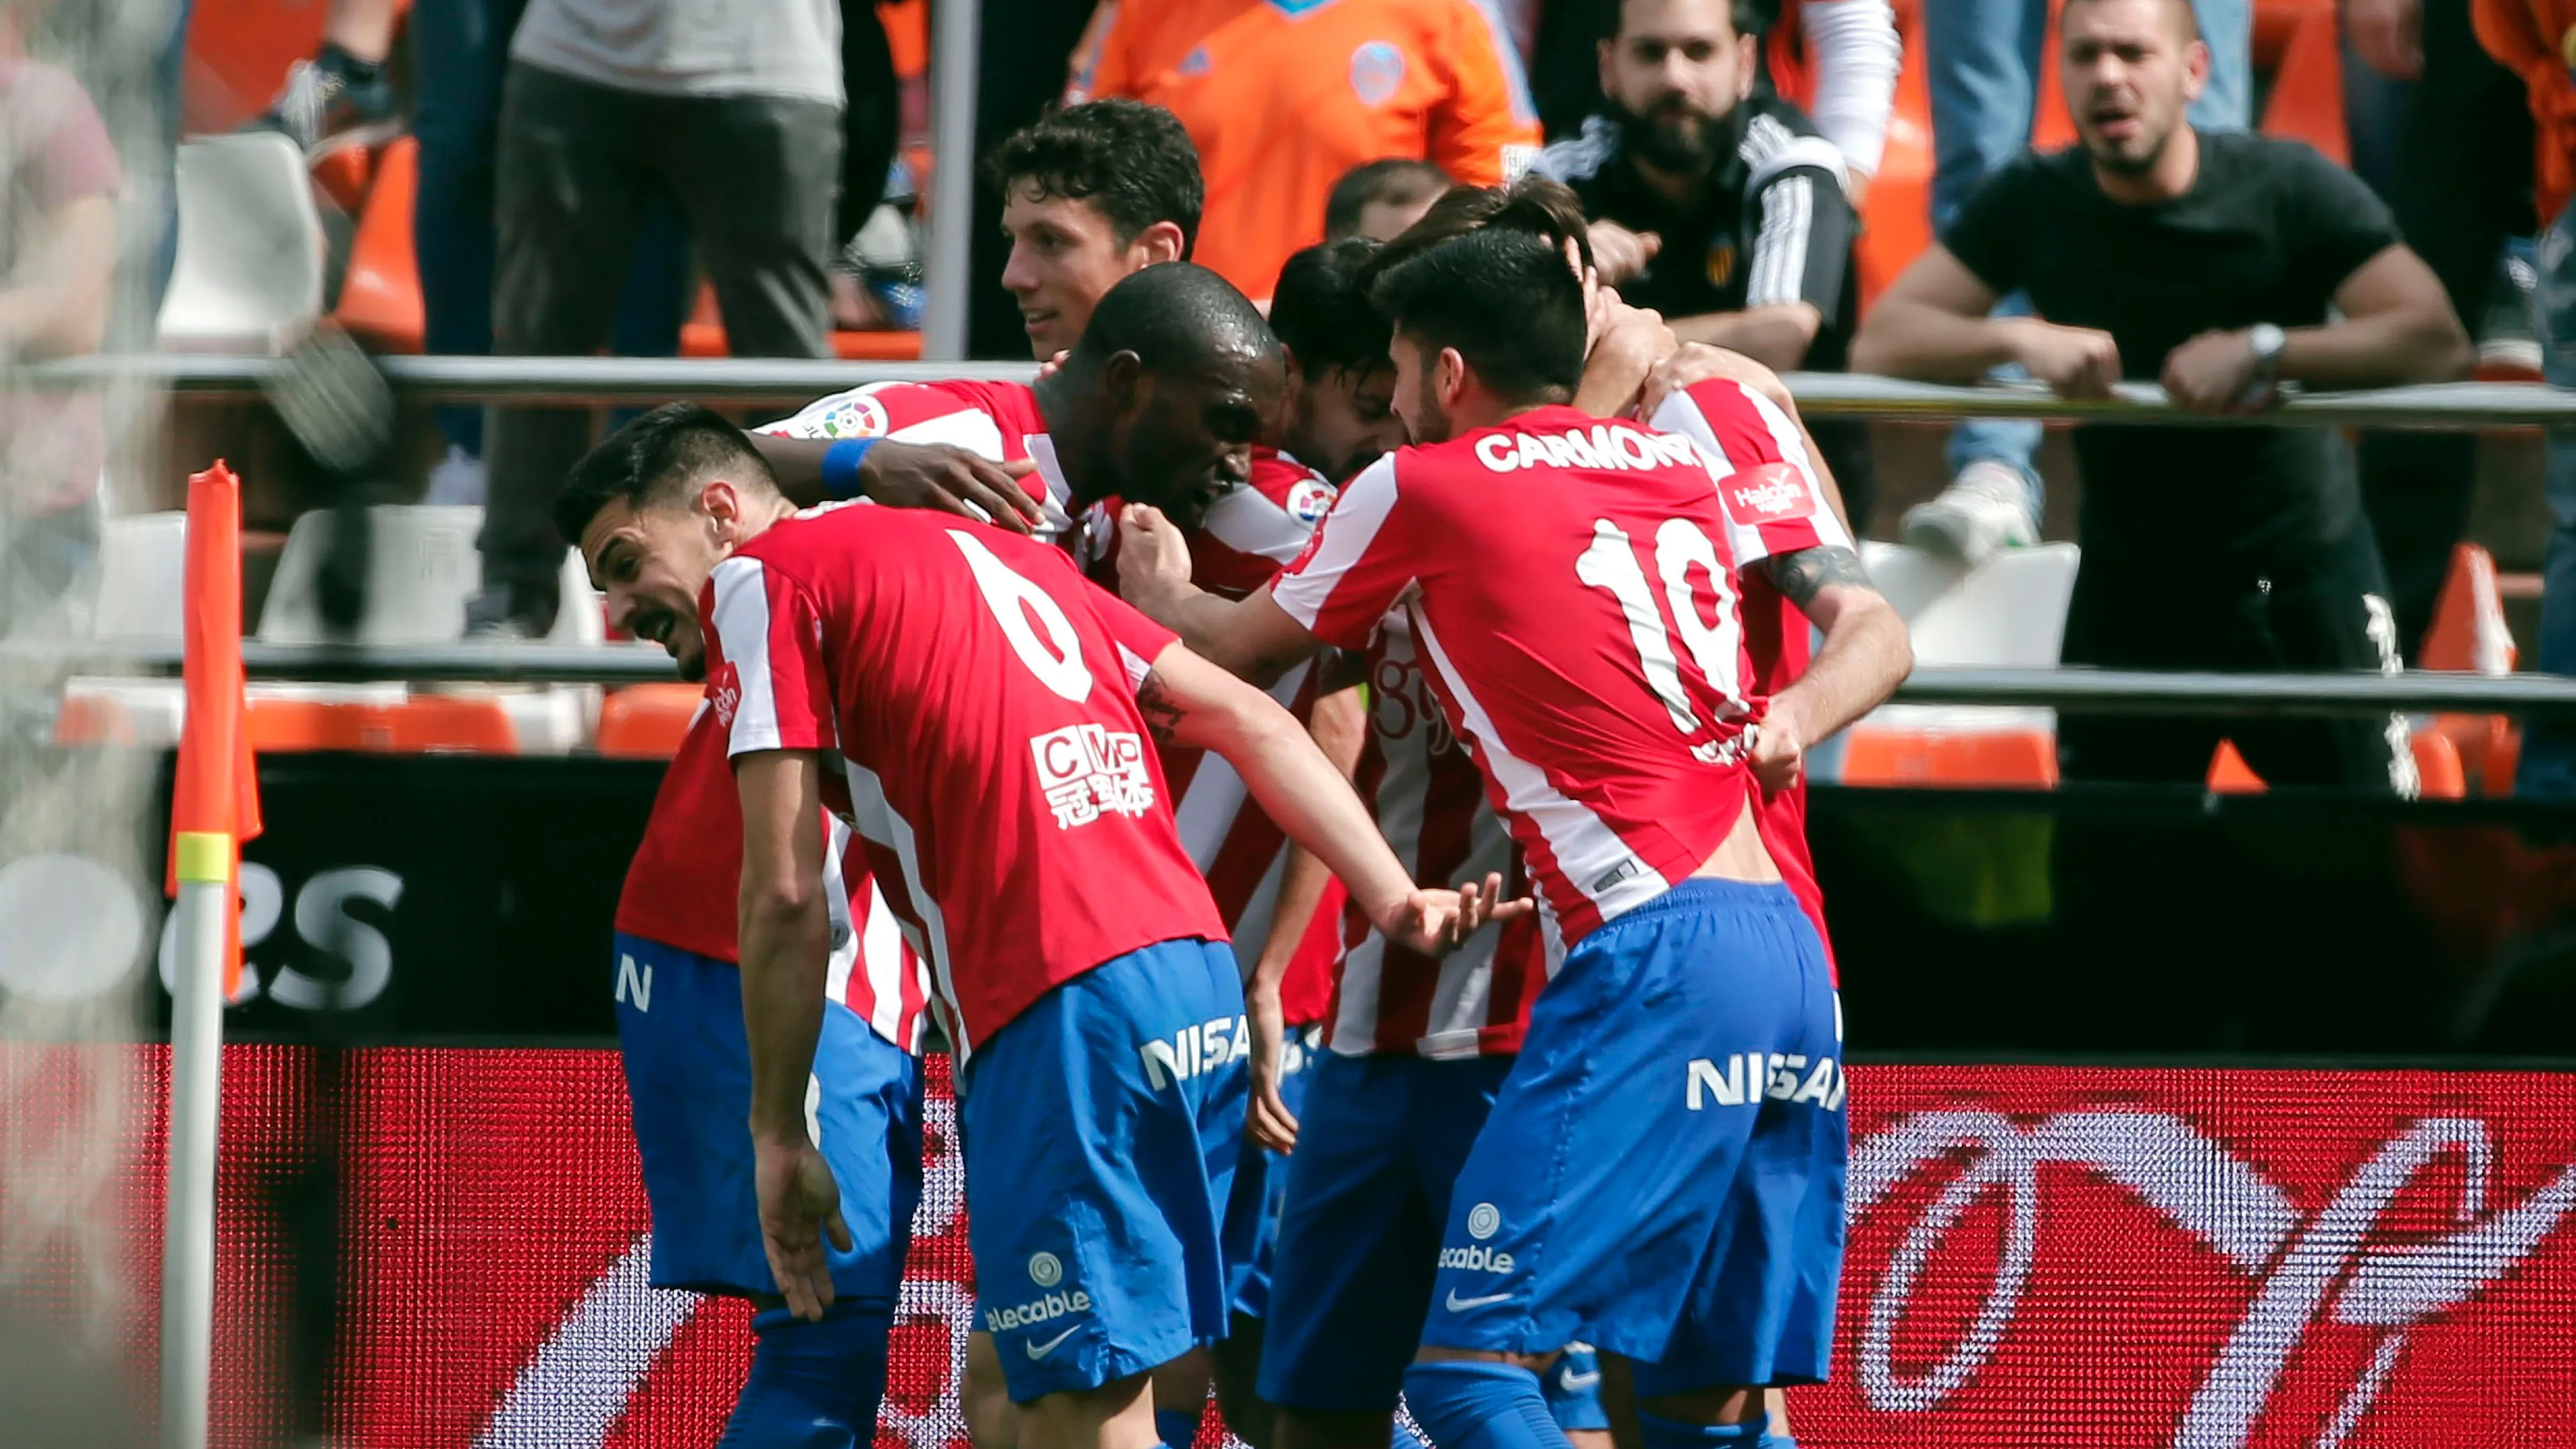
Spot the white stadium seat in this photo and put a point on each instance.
(250, 263)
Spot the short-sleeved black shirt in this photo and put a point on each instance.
(1770, 225)
(2267, 233)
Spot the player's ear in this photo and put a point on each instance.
(1122, 377)
(718, 500)
(1161, 242)
(1748, 51)
(1295, 373)
(1608, 50)
(1449, 377)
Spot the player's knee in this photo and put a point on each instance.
(813, 1385)
(1180, 1398)
(1487, 1401)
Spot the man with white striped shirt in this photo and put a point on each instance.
(1726, 211)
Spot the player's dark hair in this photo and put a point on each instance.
(1507, 302)
(1174, 318)
(657, 459)
(1131, 160)
(1534, 205)
(2190, 17)
(1321, 309)
(1394, 181)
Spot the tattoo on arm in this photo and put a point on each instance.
(1802, 575)
(1163, 713)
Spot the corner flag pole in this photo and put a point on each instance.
(214, 807)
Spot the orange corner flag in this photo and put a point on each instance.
(214, 806)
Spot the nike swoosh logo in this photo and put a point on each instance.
(1574, 1382)
(1461, 1305)
(1041, 1350)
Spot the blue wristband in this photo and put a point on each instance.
(841, 466)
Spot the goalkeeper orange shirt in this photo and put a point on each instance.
(1282, 97)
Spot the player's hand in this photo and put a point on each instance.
(935, 475)
(2073, 361)
(1631, 340)
(1153, 556)
(799, 1204)
(1779, 751)
(1690, 364)
(1619, 254)
(1051, 366)
(1437, 922)
(2388, 35)
(2216, 372)
(1269, 1122)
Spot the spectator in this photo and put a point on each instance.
(734, 109)
(1719, 208)
(2208, 259)
(343, 96)
(1283, 101)
(1983, 65)
(2439, 130)
(1382, 198)
(2527, 36)
(60, 178)
(1090, 194)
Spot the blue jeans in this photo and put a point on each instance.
(460, 50)
(2549, 751)
(1984, 59)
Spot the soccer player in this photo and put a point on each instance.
(813, 1384)
(1572, 588)
(1090, 194)
(973, 697)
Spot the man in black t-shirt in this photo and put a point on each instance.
(2207, 261)
(1721, 209)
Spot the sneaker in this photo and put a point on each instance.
(2508, 343)
(457, 479)
(501, 615)
(333, 102)
(1985, 508)
(886, 258)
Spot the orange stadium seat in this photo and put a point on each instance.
(647, 721)
(93, 719)
(2469, 632)
(2307, 88)
(703, 335)
(2024, 759)
(2230, 775)
(424, 724)
(380, 299)
(2438, 773)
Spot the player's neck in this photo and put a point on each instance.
(1470, 415)
(1061, 409)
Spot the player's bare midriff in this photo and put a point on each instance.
(1741, 856)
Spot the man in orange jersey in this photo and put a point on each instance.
(1283, 97)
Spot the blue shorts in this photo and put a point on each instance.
(1101, 1128)
(1381, 1140)
(1261, 1188)
(688, 1076)
(1663, 1173)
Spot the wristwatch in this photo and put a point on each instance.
(2267, 341)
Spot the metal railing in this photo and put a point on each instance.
(570, 381)
(2072, 688)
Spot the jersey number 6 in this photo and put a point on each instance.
(1017, 604)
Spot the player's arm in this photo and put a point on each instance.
(900, 475)
(786, 943)
(1794, 279)
(1190, 702)
(1864, 656)
(1855, 54)
(1338, 726)
(1484, 128)
(1697, 362)
(1252, 637)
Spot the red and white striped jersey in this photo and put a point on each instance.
(1246, 538)
(973, 700)
(1571, 586)
(1732, 422)
(686, 878)
(1430, 802)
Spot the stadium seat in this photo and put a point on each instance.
(88, 718)
(249, 272)
(2469, 632)
(2009, 612)
(423, 724)
(423, 567)
(380, 297)
(2307, 88)
(647, 721)
(703, 335)
(142, 564)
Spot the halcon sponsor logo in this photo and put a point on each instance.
(1603, 445)
(1768, 493)
(1746, 1078)
(1194, 1049)
(1044, 1310)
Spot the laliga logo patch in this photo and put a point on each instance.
(1767, 493)
(859, 417)
(1045, 1270)
(724, 693)
(1310, 499)
(1377, 68)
